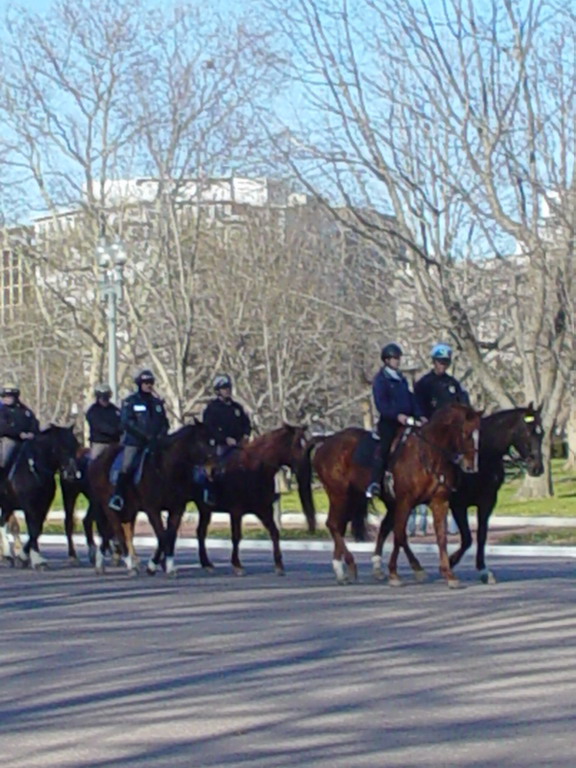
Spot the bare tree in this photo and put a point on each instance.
(460, 123)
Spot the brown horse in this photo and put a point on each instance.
(423, 465)
(167, 483)
(246, 484)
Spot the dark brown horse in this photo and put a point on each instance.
(167, 483)
(521, 429)
(30, 485)
(423, 464)
(246, 484)
(72, 488)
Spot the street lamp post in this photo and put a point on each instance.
(111, 259)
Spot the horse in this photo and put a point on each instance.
(519, 428)
(246, 484)
(71, 488)
(30, 484)
(423, 466)
(167, 483)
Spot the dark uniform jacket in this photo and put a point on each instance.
(142, 419)
(433, 391)
(15, 419)
(393, 397)
(226, 419)
(104, 422)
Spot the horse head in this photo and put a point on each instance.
(63, 448)
(295, 442)
(527, 438)
(191, 443)
(461, 425)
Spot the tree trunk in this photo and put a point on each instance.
(571, 436)
(539, 487)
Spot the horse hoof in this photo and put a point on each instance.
(92, 555)
(454, 584)
(343, 582)
(378, 575)
(239, 572)
(395, 581)
(487, 577)
(150, 571)
(209, 568)
(40, 566)
(7, 561)
(134, 573)
(99, 570)
(279, 571)
(73, 561)
(420, 575)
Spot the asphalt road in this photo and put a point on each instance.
(266, 671)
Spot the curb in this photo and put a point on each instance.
(508, 550)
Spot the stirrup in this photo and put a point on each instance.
(116, 503)
(372, 490)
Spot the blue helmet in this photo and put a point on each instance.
(441, 352)
(222, 381)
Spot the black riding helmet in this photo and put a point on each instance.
(10, 391)
(391, 350)
(145, 376)
(102, 390)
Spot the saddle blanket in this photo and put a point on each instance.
(365, 450)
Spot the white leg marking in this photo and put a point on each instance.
(36, 559)
(339, 570)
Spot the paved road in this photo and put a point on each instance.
(268, 672)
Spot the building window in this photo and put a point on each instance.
(13, 284)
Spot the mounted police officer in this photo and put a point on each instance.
(226, 419)
(17, 424)
(437, 387)
(143, 420)
(396, 405)
(103, 418)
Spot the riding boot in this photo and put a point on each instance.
(117, 499)
(378, 467)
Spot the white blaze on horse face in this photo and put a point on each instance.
(476, 439)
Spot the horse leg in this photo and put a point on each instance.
(204, 516)
(155, 519)
(439, 509)
(266, 515)
(419, 573)
(236, 526)
(130, 559)
(460, 515)
(174, 520)
(69, 497)
(31, 548)
(484, 511)
(385, 527)
(401, 513)
(88, 525)
(336, 524)
(6, 552)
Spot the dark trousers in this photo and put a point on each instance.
(386, 433)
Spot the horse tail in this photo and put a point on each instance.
(304, 478)
(358, 522)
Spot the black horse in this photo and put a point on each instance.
(521, 429)
(72, 487)
(30, 484)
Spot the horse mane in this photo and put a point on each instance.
(181, 433)
(449, 414)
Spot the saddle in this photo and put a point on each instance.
(365, 451)
(135, 469)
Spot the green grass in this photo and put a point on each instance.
(563, 503)
(553, 536)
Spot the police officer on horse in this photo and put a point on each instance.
(396, 405)
(143, 420)
(226, 419)
(103, 418)
(17, 424)
(438, 387)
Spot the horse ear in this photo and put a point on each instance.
(539, 409)
(480, 413)
(196, 421)
(530, 406)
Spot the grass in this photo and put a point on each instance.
(553, 536)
